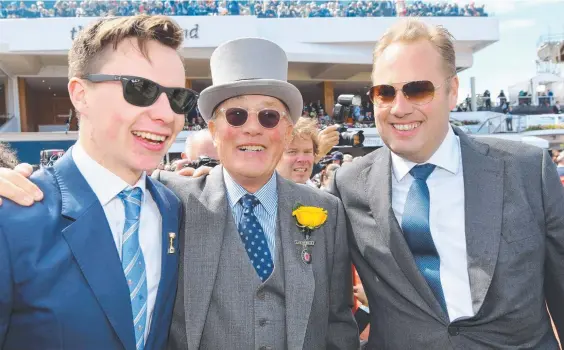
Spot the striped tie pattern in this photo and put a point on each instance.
(133, 262)
(417, 231)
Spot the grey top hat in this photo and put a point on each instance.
(249, 66)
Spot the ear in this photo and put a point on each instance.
(213, 128)
(78, 95)
(288, 134)
(453, 94)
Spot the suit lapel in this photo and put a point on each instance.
(299, 279)
(169, 262)
(379, 189)
(90, 240)
(482, 175)
(205, 222)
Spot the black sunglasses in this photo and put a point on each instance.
(237, 116)
(143, 92)
(418, 92)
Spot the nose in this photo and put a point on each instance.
(161, 110)
(303, 158)
(252, 125)
(401, 105)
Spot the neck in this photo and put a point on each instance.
(128, 175)
(251, 184)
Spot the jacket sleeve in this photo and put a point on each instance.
(343, 331)
(553, 204)
(6, 288)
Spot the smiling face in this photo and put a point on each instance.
(124, 138)
(411, 131)
(297, 160)
(250, 152)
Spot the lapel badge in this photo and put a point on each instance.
(171, 237)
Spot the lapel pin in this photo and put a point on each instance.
(171, 237)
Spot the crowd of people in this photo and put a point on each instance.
(261, 9)
(441, 9)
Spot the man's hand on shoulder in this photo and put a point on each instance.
(15, 185)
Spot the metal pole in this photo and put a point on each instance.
(473, 93)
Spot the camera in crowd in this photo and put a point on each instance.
(202, 161)
(48, 157)
(342, 111)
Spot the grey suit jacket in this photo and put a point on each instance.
(318, 295)
(514, 212)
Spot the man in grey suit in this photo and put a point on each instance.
(459, 242)
(250, 278)
(244, 282)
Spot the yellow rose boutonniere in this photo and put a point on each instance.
(308, 219)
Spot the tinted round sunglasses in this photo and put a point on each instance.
(143, 92)
(418, 92)
(238, 116)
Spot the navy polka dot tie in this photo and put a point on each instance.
(252, 235)
(417, 232)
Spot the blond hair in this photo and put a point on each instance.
(90, 44)
(412, 30)
(304, 128)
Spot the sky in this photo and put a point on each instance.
(511, 60)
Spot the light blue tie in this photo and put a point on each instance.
(133, 262)
(417, 232)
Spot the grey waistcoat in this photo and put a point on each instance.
(245, 313)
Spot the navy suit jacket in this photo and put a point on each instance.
(61, 281)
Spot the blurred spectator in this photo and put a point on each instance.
(298, 158)
(8, 157)
(260, 8)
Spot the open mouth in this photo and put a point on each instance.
(406, 127)
(150, 137)
(300, 170)
(251, 148)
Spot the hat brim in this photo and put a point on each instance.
(212, 96)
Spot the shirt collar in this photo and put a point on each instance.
(105, 184)
(447, 157)
(267, 194)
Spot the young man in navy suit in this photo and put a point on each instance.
(94, 265)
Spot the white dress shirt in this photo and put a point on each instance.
(106, 185)
(446, 219)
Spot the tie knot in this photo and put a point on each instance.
(248, 201)
(133, 195)
(422, 172)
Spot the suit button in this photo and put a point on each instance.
(260, 295)
(454, 331)
(262, 322)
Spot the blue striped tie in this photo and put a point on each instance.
(133, 262)
(252, 235)
(415, 226)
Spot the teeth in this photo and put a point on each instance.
(149, 136)
(301, 170)
(406, 127)
(251, 148)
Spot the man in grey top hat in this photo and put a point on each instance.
(252, 278)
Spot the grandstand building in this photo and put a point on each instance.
(327, 57)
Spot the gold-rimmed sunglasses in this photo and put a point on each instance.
(419, 92)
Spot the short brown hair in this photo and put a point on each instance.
(304, 128)
(8, 157)
(91, 42)
(411, 30)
